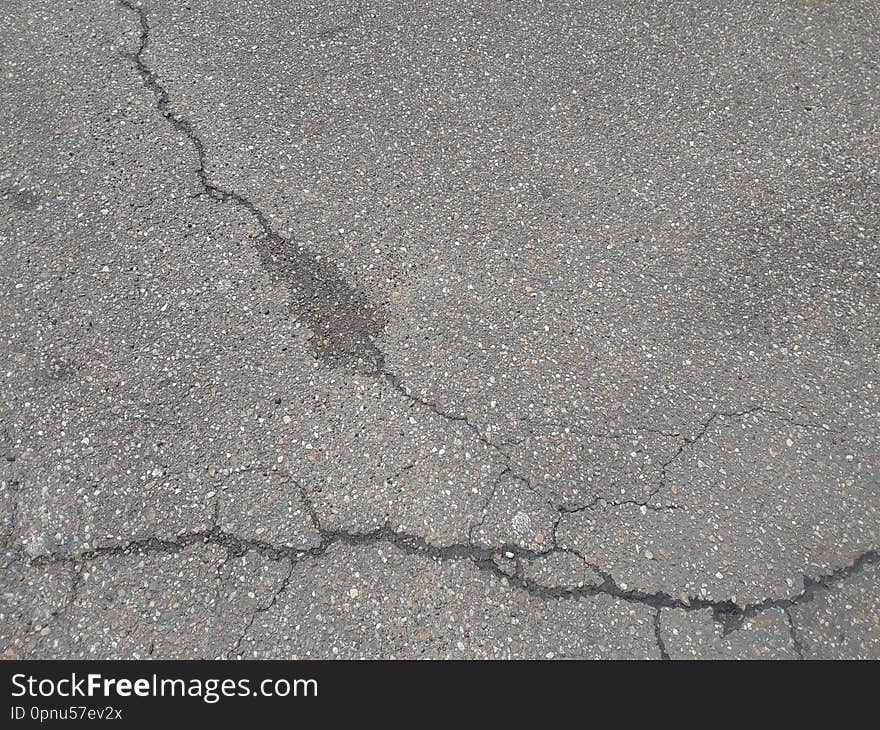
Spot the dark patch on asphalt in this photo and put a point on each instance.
(20, 199)
(343, 322)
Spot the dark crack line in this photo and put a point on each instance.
(15, 487)
(484, 512)
(658, 635)
(599, 500)
(343, 323)
(73, 595)
(793, 632)
(359, 346)
(262, 609)
(689, 442)
(727, 613)
(353, 327)
(345, 326)
(397, 383)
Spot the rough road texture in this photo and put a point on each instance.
(505, 329)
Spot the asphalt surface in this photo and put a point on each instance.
(494, 329)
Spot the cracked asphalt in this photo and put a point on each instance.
(448, 330)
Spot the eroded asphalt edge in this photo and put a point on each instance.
(356, 345)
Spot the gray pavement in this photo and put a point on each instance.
(476, 330)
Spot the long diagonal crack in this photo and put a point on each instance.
(344, 324)
(345, 327)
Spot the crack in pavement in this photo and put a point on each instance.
(725, 612)
(793, 633)
(344, 324)
(599, 499)
(345, 327)
(262, 609)
(661, 645)
(689, 442)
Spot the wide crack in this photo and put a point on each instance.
(345, 327)
(729, 614)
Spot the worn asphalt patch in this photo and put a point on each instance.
(364, 330)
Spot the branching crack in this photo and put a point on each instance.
(345, 327)
(729, 614)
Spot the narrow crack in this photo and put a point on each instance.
(689, 442)
(9, 534)
(262, 609)
(397, 383)
(344, 324)
(75, 585)
(658, 635)
(484, 511)
(599, 500)
(793, 632)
